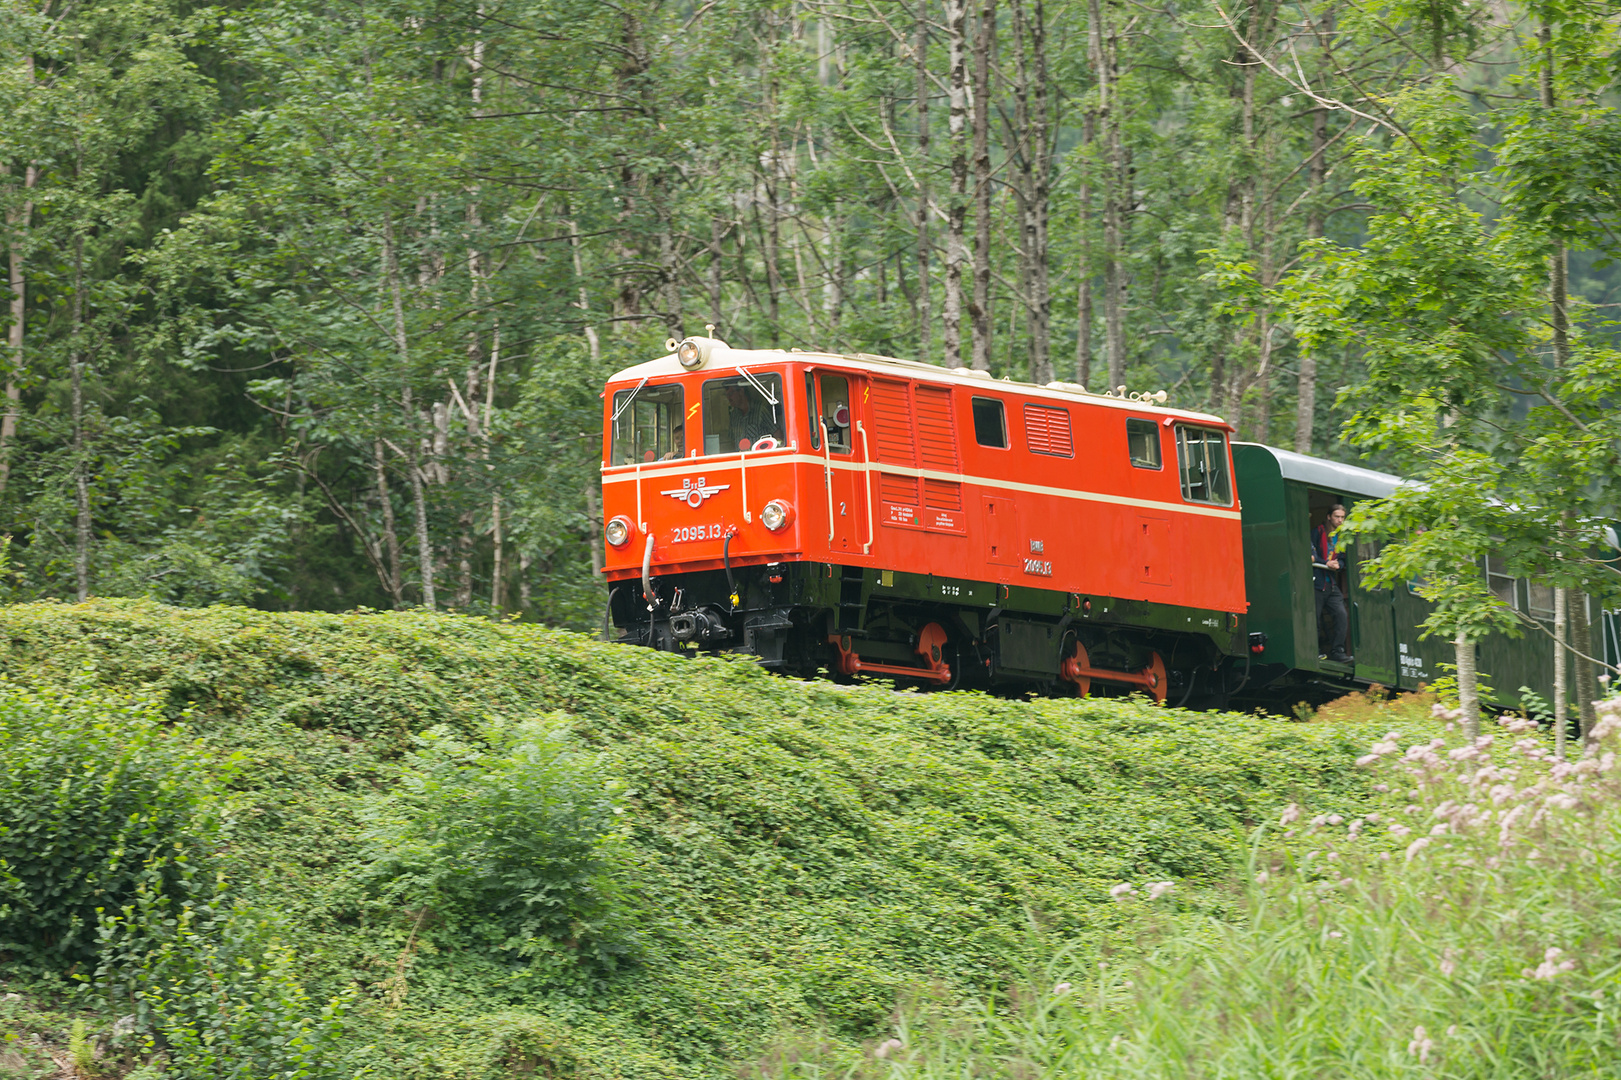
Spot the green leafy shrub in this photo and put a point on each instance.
(97, 798)
(213, 987)
(516, 839)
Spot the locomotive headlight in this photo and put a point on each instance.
(691, 354)
(618, 531)
(776, 515)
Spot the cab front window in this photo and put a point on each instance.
(743, 413)
(648, 425)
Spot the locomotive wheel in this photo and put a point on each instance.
(1156, 668)
(1077, 652)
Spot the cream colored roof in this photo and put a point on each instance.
(725, 358)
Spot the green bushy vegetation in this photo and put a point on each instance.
(97, 801)
(418, 813)
(1467, 928)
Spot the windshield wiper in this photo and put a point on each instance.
(623, 405)
(765, 393)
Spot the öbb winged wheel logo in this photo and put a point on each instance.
(693, 492)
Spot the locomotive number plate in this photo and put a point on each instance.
(695, 532)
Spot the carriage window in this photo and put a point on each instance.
(990, 423)
(1201, 455)
(743, 413)
(1501, 582)
(1142, 443)
(1540, 600)
(836, 412)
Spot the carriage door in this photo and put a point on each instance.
(844, 472)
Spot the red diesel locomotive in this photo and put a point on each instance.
(871, 515)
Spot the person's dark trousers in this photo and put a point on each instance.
(1333, 621)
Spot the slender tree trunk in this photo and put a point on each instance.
(81, 471)
(592, 340)
(18, 223)
(1558, 304)
(1030, 118)
(957, 204)
(1317, 172)
(1561, 663)
(979, 307)
(1468, 687)
(1582, 668)
(920, 50)
(391, 533)
(498, 594)
(1083, 299)
(1104, 46)
(419, 495)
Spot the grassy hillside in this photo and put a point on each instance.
(778, 857)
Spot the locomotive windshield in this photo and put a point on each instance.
(648, 425)
(743, 413)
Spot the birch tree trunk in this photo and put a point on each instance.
(1561, 663)
(402, 346)
(1468, 686)
(979, 307)
(957, 203)
(18, 223)
(1030, 118)
(1317, 174)
(1103, 44)
(391, 533)
(1083, 299)
(1582, 668)
(920, 55)
(81, 472)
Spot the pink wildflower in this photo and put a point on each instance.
(1551, 966)
(1160, 888)
(1121, 891)
(1290, 815)
(887, 1047)
(1061, 989)
(1417, 846)
(1422, 1045)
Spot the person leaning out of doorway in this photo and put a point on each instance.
(1328, 581)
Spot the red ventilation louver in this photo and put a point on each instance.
(1047, 431)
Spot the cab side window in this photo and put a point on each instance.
(1201, 458)
(835, 406)
(990, 423)
(1142, 443)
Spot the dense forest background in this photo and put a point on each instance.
(312, 300)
